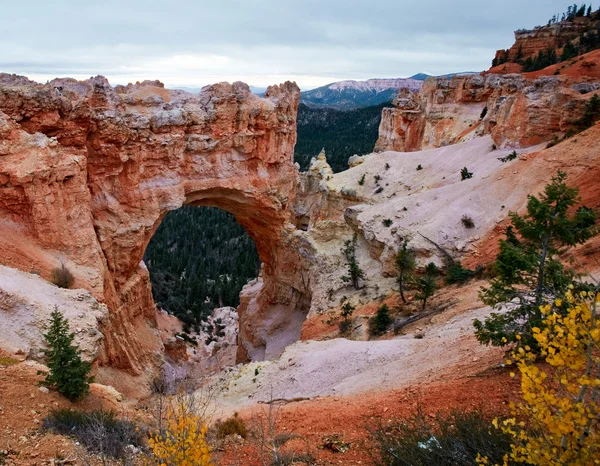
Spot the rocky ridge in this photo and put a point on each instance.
(514, 110)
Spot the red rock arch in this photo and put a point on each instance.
(88, 171)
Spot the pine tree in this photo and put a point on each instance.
(67, 372)
(405, 262)
(379, 323)
(355, 273)
(426, 285)
(528, 270)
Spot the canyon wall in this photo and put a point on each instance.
(87, 172)
(514, 110)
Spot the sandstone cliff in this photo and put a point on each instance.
(87, 172)
(514, 110)
(530, 42)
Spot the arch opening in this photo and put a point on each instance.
(199, 259)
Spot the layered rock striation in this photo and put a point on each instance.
(87, 172)
(514, 110)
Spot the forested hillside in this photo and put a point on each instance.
(199, 258)
(341, 133)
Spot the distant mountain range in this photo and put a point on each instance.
(346, 95)
(195, 90)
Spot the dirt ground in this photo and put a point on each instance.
(350, 417)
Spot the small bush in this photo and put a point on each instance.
(432, 270)
(387, 223)
(387, 166)
(235, 425)
(100, 432)
(483, 113)
(345, 326)
(552, 143)
(8, 361)
(379, 323)
(443, 441)
(465, 174)
(456, 273)
(62, 277)
(510, 157)
(467, 221)
(362, 179)
(377, 179)
(419, 167)
(379, 190)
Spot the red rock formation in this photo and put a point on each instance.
(515, 110)
(88, 171)
(530, 42)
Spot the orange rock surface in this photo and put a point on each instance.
(517, 110)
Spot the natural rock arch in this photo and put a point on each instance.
(87, 172)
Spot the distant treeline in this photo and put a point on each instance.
(342, 133)
(199, 258)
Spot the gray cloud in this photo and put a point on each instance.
(193, 43)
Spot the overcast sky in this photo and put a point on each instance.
(194, 43)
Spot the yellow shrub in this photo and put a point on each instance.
(561, 399)
(182, 441)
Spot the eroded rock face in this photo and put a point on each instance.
(87, 172)
(26, 302)
(515, 111)
(530, 42)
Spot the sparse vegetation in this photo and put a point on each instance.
(67, 372)
(465, 174)
(345, 324)
(270, 441)
(467, 221)
(425, 286)
(380, 322)
(355, 273)
(510, 157)
(62, 276)
(452, 440)
(234, 425)
(529, 271)
(457, 274)
(591, 113)
(100, 432)
(8, 361)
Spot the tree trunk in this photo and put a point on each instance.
(540, 278)
(401, 283)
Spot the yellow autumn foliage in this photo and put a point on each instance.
(558, 420)
(182, 440)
